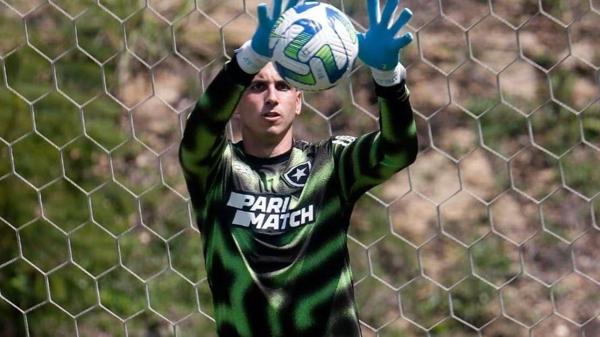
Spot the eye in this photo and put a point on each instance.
(257, 86)
(282, 86)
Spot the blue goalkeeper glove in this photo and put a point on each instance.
(260, 40)
(379, 47)
(255, 53)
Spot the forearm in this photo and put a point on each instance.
(374, 157)
(397, 142)
(205, 127)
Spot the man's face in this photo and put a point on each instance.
(269, 105)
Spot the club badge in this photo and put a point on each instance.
(297, 175)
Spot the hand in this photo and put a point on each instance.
(260, 40)
(378, 47)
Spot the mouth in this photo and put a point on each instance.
(271, 115)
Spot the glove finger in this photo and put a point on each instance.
(261, 11)
(388, 11)
(404, 17)
(402, 41)
(276, 9)
(291, 4)
(361, 38)
(373, 10)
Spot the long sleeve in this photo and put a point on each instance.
(204, 141)
(374, 157)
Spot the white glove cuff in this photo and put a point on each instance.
(249, 60)
(388, 78)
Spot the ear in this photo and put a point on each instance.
(299, 94)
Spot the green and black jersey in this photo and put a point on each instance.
(274, 229)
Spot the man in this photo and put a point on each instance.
(274, 210)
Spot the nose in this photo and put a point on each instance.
(271, 95)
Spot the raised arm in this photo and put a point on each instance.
(204, 140)
(372, 158)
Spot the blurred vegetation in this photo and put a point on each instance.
(89, 238)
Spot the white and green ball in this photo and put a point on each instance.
(314, 46)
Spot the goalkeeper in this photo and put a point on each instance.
(274, 210)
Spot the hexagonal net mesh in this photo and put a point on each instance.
(491, 232)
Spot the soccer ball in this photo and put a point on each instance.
(314, 45)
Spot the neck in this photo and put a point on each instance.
(258, 147)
